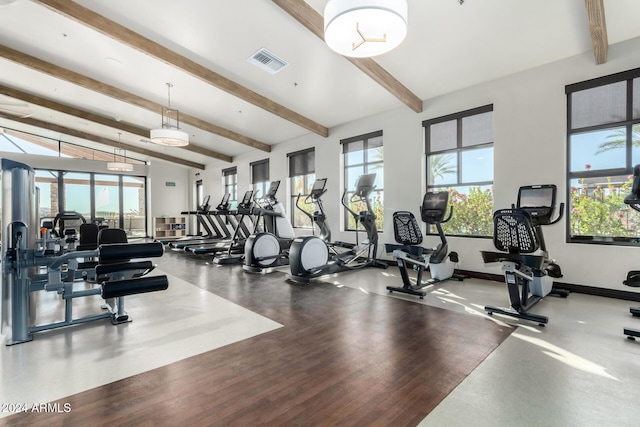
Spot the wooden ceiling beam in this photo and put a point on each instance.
(86, 115)
(100, 140)
(121, 95)
(598, 29)
(124, 35)
(302, 12)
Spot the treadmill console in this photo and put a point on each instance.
(273, 189)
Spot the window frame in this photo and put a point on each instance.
(260, 188)
(628, 123)
(230, 178)
(91, 182)
(309, 175)
(366, 166)
(459, 149)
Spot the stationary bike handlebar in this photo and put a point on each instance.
(448, 216)
(560, 213)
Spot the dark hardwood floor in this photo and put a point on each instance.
(343, 357)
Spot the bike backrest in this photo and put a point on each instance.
(406, 229)
(513, 231)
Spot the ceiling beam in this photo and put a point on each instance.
(124, 35)
(100, 140)
(121, 95)
(598, 29)
(86, 115)
(302, 12)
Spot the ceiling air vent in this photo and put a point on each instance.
(267, 61)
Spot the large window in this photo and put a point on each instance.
(107, 200)
(47, 182)
(77, 193)
(364, 155)
(260, 177)
(117, 201)
(230, 176)
(133, 206)
(302, 172)
(459, 154)
(14, 141)
(603, 137)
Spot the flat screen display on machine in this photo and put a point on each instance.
(536, 197)
(318, 186)
(273, 189)
(247, 197)
(365, 184)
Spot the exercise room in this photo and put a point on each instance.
(320, 212)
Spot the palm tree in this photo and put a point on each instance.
(618, 139)
(439, 166)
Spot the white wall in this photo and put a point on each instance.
(529, 148)
(169, 201)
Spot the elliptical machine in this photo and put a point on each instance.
(269, 248)
(518, 232)
(311, 257)
(407, 253)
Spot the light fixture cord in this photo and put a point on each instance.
(120, 148)
(169, 95)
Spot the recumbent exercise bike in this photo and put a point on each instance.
(440, 262)
(528, 270)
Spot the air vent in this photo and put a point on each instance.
(267, 61)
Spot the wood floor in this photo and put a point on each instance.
(343, 357)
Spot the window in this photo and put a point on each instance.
(302, 171)
(260, 177)
(114, 200)
(77, 193)
(47, 182)
(230, 176)
(459, 154)
(363, 155)
(133, 206)
(14, 141)
(603, 145)
(107, 200)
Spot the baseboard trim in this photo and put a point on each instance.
(571, 287)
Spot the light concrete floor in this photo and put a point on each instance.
(579, 370)
(167, 327)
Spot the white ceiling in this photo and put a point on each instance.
(449, 46)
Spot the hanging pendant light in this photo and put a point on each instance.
(364, 28)
(169, 135)
(120, 166)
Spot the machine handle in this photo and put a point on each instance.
(560, 212)
(448, 216)
(355, 215)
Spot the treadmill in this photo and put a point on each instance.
(213, 232)
(244, 209)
